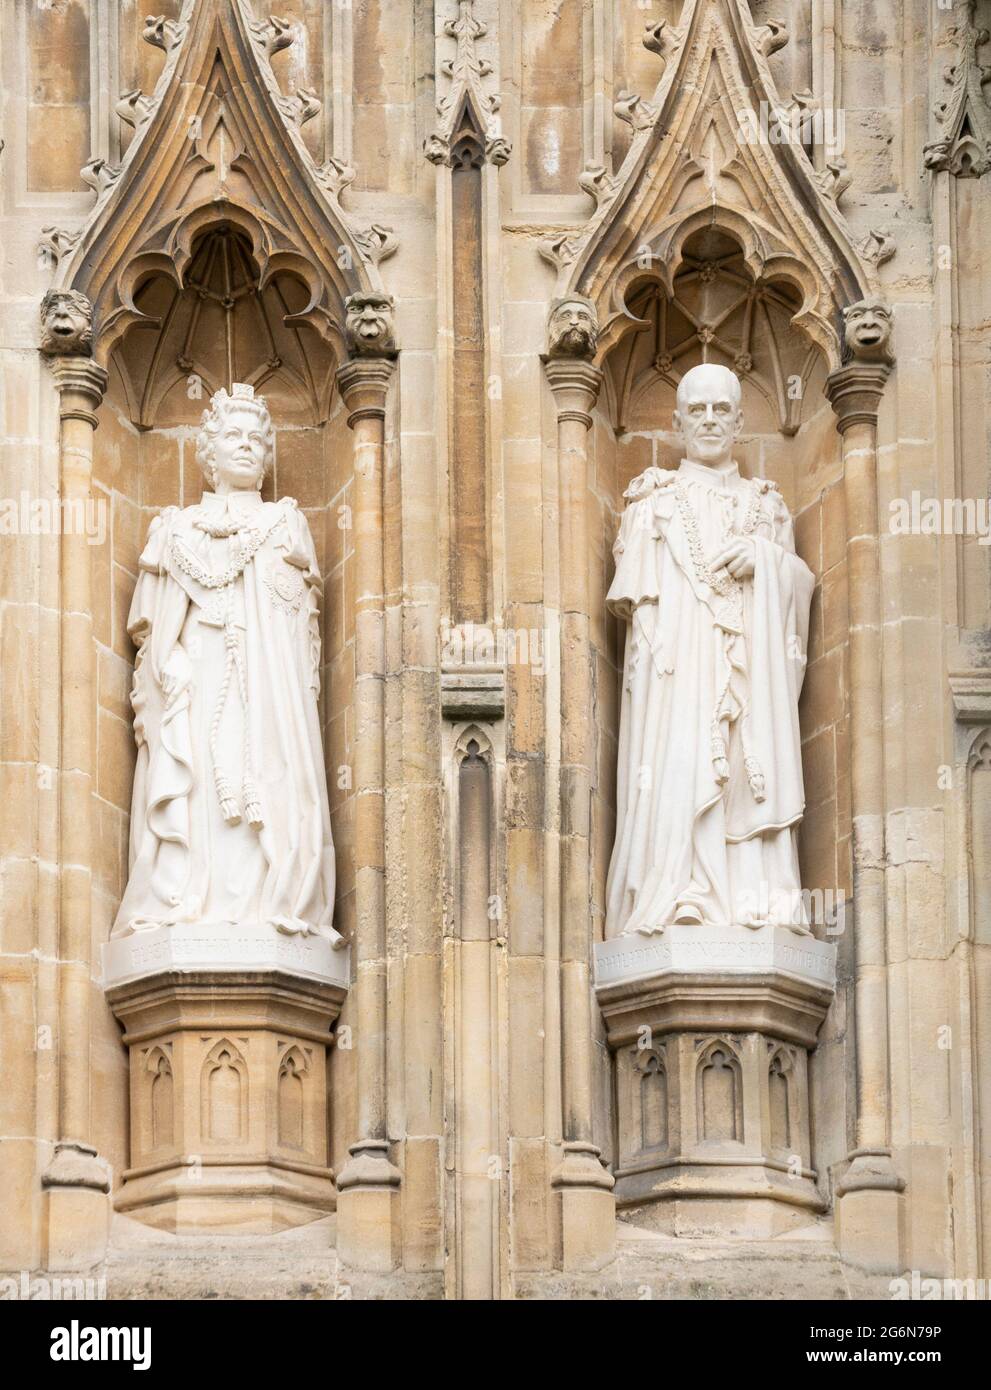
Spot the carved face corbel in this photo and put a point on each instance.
(66, 324)
(867, 331)
(572, 329)
(368, 325)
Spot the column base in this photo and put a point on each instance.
(719, 1201)
(369, 1230)
(76, 1208)
(868, 1212)
(234, 1198)
(587, 1209)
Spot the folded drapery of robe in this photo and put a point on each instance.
(710, 751)
(230, 814)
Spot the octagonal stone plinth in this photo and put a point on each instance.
(710, 1030)
(228, 1031)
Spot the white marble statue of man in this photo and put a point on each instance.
(230, 822)
(710, 789)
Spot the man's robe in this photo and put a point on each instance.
(246, 719)
(710, 788)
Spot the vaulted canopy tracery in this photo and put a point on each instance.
(219, 325)
(714, 311)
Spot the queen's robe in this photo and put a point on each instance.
(230, 821)
(710, 789)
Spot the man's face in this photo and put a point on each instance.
(65, 322)
(64, 318)
(867, 326)
(239, 451)
(369, 322)
(708, 418)
(574, 326)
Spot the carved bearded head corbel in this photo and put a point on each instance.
(867, 331)
(369, 325)
(66, 324)
(572, 329)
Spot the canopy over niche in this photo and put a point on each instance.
(219, 326)
(713, 309)
(704, 190)
(218, 249)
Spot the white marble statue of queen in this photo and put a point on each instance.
(710, 790)
(230, 822)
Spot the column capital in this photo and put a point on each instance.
(855, 393)
(81, 385)
(363, 383)
(575, 384)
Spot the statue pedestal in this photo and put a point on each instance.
(228, 1031)
(710, 1030)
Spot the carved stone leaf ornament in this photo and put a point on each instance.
(467, 102)
(559, 249)
(57, 243)
(663, 39)
(273, 34)
(597, 182)
(134, 108)
(166, 34)
(963, 116)
(636, 112)
(878, 246)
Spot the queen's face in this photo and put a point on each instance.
(240, 452)
(708, 417)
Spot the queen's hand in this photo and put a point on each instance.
(177, 676)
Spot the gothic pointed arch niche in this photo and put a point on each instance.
(712, 309)
(717, 239)
(715, 242)
(219, 325)
(217, 251)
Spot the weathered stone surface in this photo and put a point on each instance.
(468, 478)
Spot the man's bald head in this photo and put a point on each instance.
(708, 417)
(709, 376)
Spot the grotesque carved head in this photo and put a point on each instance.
(572, 330)
(709, 418)
(66, 323)
(867, 331)
(236, 444)
(369, 326)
